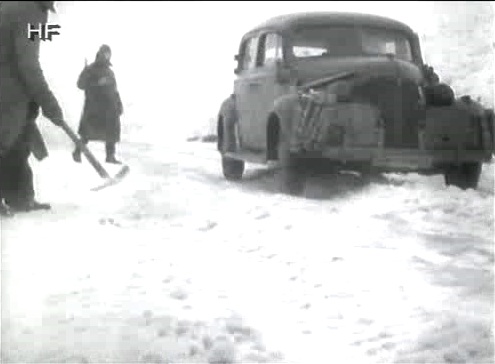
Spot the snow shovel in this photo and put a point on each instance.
(109, 181)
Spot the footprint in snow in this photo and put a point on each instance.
(222, 352)
(183, 328)
(152, 358)
(253, 250)
(162, 332)
(263, 215)
(109, 221)
(54, 300)
(239, 338)
(210, 225)
(371, 352)
(132, 287)
(256, 357)
(147, 315)
(365, 321)
(382, 340)
(179, 294)
(76, 359)
(194, 349)
(258, 346)
(388, 345)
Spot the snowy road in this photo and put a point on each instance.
(162, 265)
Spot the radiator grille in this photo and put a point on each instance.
(398, 101)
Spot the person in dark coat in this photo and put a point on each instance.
(23, 91)
(102, 109)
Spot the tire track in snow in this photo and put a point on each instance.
(358, 283)
(423, 210)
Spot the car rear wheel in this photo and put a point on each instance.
(464, 176)
(369, 175)
(491, 126)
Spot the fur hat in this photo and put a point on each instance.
(99, 55)
(47, 5)
(105, 48)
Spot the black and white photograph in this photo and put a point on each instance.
(237, 182)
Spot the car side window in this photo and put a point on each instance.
(249, 51)
(270, 49)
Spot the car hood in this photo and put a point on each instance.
(311, 70)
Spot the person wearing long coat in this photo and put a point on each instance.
(23, 91)
(100, 120)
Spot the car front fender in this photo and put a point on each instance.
(485, 116)
(287, 108)
(228, 109)
(227, 117)
(474, 107)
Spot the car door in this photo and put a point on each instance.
(245, 92)
(265, 85)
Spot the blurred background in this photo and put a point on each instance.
(174, 60)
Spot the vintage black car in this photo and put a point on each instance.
(351, 89)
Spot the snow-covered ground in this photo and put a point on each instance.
(176, 264)
(175, 258)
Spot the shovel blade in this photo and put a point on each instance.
(124, 171)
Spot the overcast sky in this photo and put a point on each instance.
(181, 50)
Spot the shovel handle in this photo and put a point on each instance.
(91, 158)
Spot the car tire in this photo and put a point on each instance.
(371, 177)
(292, 175)
(464, 176)
(232, 169)
(491, 126)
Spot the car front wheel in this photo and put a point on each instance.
(464, 176)
(292, 174)
(232, 169)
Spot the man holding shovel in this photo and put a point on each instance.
(23, 91)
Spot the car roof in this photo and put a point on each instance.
(290, 21)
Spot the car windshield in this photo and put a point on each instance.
(348, 41)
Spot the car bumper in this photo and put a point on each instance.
(404, 159)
